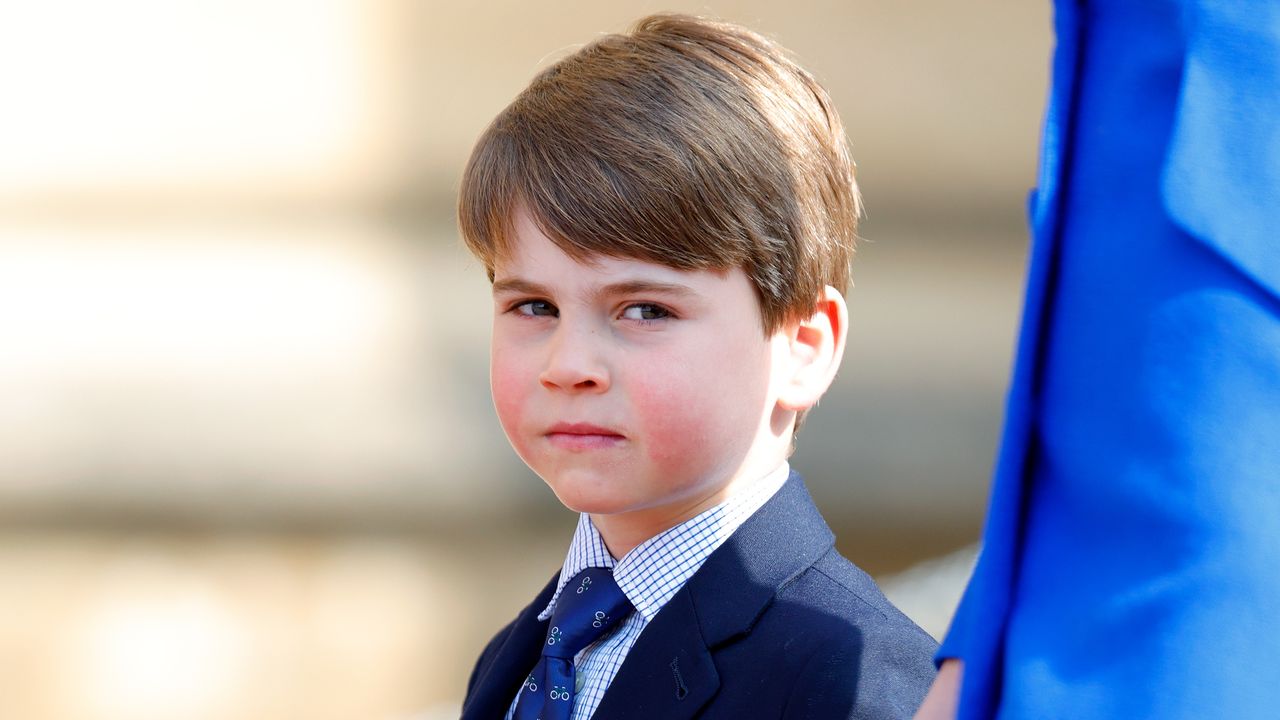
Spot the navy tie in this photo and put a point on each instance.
(590, 605)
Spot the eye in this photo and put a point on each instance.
(536, 308)
(645, 311)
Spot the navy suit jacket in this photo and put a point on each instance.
(775, 624)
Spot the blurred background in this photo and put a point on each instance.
(248, 462)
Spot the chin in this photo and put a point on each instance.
(592, 503)
(588, 494)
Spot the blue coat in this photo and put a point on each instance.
(1131, 559)
(775, 624)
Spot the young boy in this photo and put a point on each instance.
(667, 217)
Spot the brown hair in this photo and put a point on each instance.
(686, 142)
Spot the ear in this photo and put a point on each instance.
(816, 347)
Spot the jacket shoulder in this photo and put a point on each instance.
(865, 658)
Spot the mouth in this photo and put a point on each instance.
(583, 436)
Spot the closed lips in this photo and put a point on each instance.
(583, 429)
(579, 437)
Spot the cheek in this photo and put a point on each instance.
(675, 424)
(704, 413)
(509, 384)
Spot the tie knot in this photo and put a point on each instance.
(589, 606)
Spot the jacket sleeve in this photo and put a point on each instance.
(883, 677)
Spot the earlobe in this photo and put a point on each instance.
(816, 348)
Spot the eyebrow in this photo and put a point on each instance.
(520, 286)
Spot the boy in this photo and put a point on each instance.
(667, 217)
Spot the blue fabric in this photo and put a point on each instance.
(1129, 563)
(775, 624)
(590, 606)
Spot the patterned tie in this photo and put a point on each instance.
(589, 606)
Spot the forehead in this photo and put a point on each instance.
(530, 251)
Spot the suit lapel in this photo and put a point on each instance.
(670, 672)
(505, 673)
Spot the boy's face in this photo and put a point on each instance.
(638, 392)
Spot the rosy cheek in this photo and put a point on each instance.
(676, 424)
(707, 415)
(508, 385)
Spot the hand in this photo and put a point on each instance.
(944, 695)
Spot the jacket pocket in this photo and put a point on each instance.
(1221, 178)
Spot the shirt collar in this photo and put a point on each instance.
(655, 570)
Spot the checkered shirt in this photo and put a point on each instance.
(650, 575)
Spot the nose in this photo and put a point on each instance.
(575, 361)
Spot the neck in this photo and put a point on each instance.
(623, 532)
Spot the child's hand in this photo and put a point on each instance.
(940, 703)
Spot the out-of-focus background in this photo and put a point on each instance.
(248, 462)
